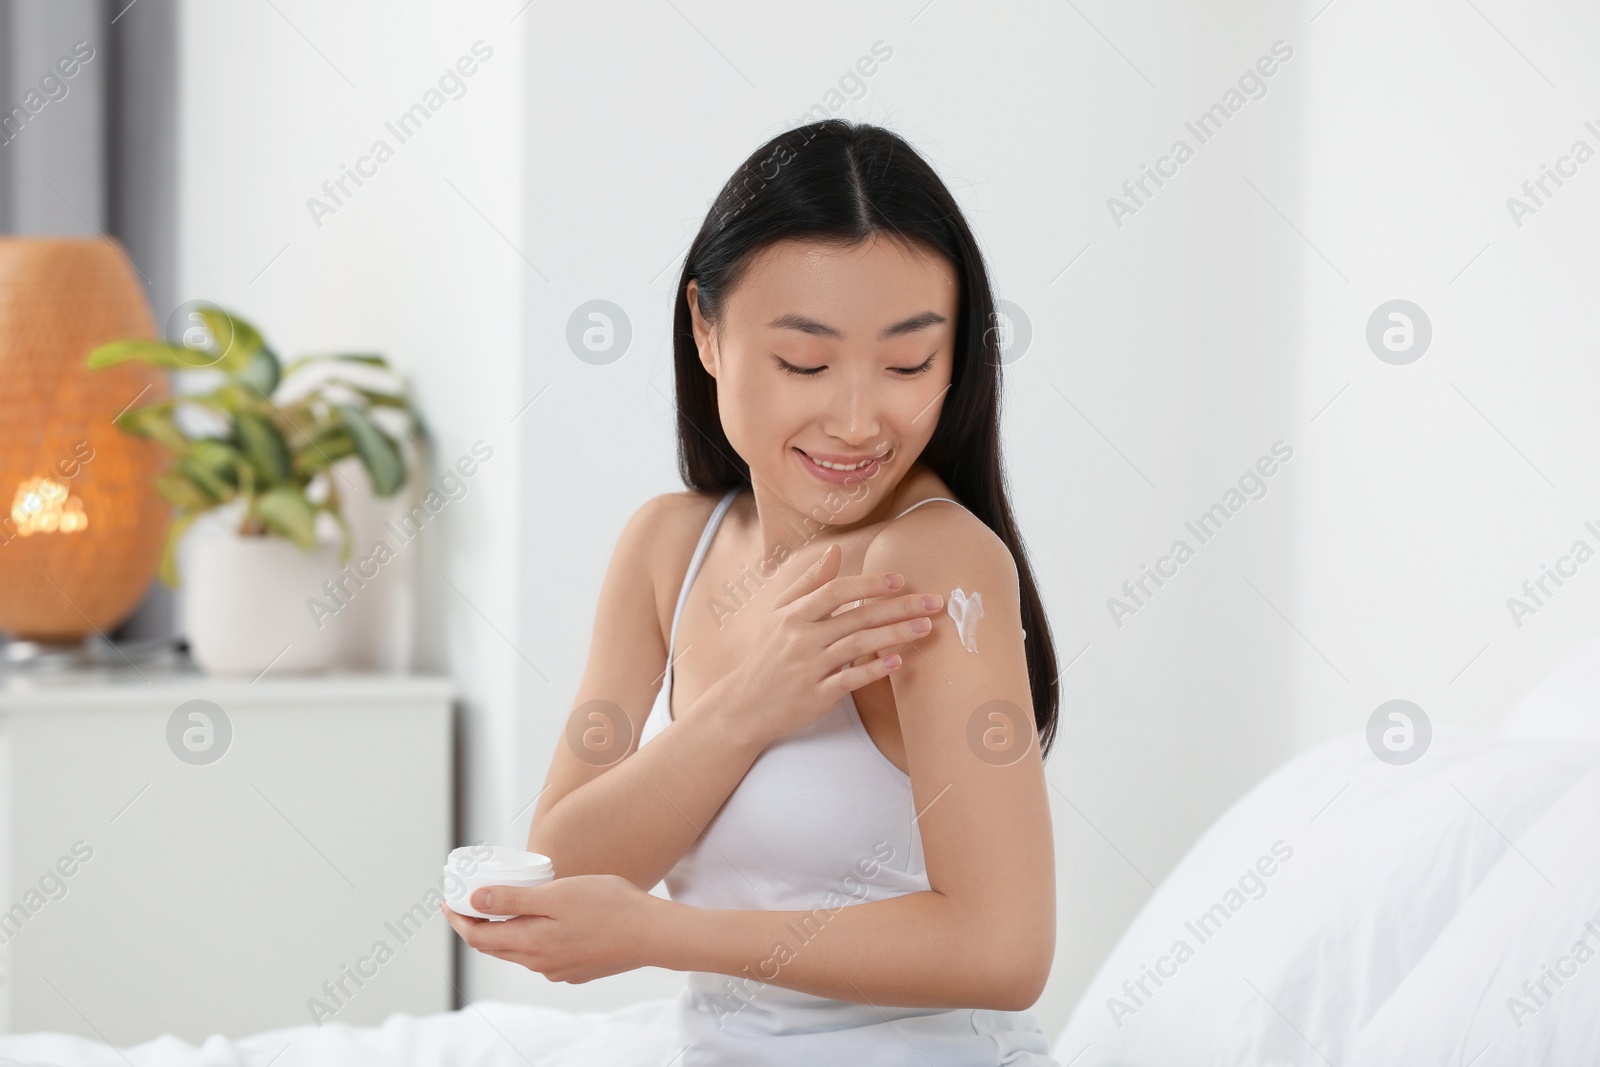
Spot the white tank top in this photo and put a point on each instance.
(821, 820)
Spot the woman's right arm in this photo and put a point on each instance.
(609, 807)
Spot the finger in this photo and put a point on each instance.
(497, 938)
(849, 590)
(867, 642)
(460, 923)
(884, 611)
(820, 572)
(511, 900)
(852, 678)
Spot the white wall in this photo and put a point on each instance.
(1443, 485)
(416, 265)
(1172, 353)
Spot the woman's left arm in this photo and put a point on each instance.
(982, 936)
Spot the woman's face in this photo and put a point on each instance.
(832, 357)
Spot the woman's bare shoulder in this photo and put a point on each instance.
(659, 538)
(665, 522)
(937, 520)
(945, 540)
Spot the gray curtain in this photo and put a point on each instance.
(88, 146)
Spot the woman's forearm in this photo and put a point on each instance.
(640, 816)
(914, 950)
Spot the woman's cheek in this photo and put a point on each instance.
(759, 413)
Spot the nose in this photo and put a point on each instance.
(853, 405)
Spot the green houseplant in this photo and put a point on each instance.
(273, 431)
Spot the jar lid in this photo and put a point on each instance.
(502, 860)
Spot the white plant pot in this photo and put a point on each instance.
(245, 604)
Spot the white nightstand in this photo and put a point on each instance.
(229, 896)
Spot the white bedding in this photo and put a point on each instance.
(1414, 904)
(1345, 911)
(1511, 929)
(489, 1034)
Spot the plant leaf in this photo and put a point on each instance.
(262, 372)
(286, 510)
(225, 400)
(216, 456)
(169, 553)
(349, 537)
(325, 449)
(234, 397)
(217, 466)
(385, 400)
(317, 357)
(382, 458)
(303, 423)
(219, 488)
(224, 461)
(156, 422)
(264, 447)
(234, 342)
(247, 476)
(184, 491)
(155, 353)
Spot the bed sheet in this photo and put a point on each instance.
(486, 1034)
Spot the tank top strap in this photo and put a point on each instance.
(698, 558)
(929, 500)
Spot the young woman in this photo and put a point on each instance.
(821, 683)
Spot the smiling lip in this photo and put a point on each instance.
(841, 477)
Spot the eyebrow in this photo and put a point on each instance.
(793, 321)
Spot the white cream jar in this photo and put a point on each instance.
(467, 871)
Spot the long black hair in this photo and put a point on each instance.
(845, 182)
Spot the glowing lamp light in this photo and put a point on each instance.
(45, 506)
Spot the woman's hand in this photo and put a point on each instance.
(573, 929)
(805, 658)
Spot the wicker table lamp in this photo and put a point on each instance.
(81, 525)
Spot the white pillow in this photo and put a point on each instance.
(1296, 961)
(1523, 925)
(1564, 704)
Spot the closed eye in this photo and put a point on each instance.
(911, 372)
(789, 368)
(809, 372)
